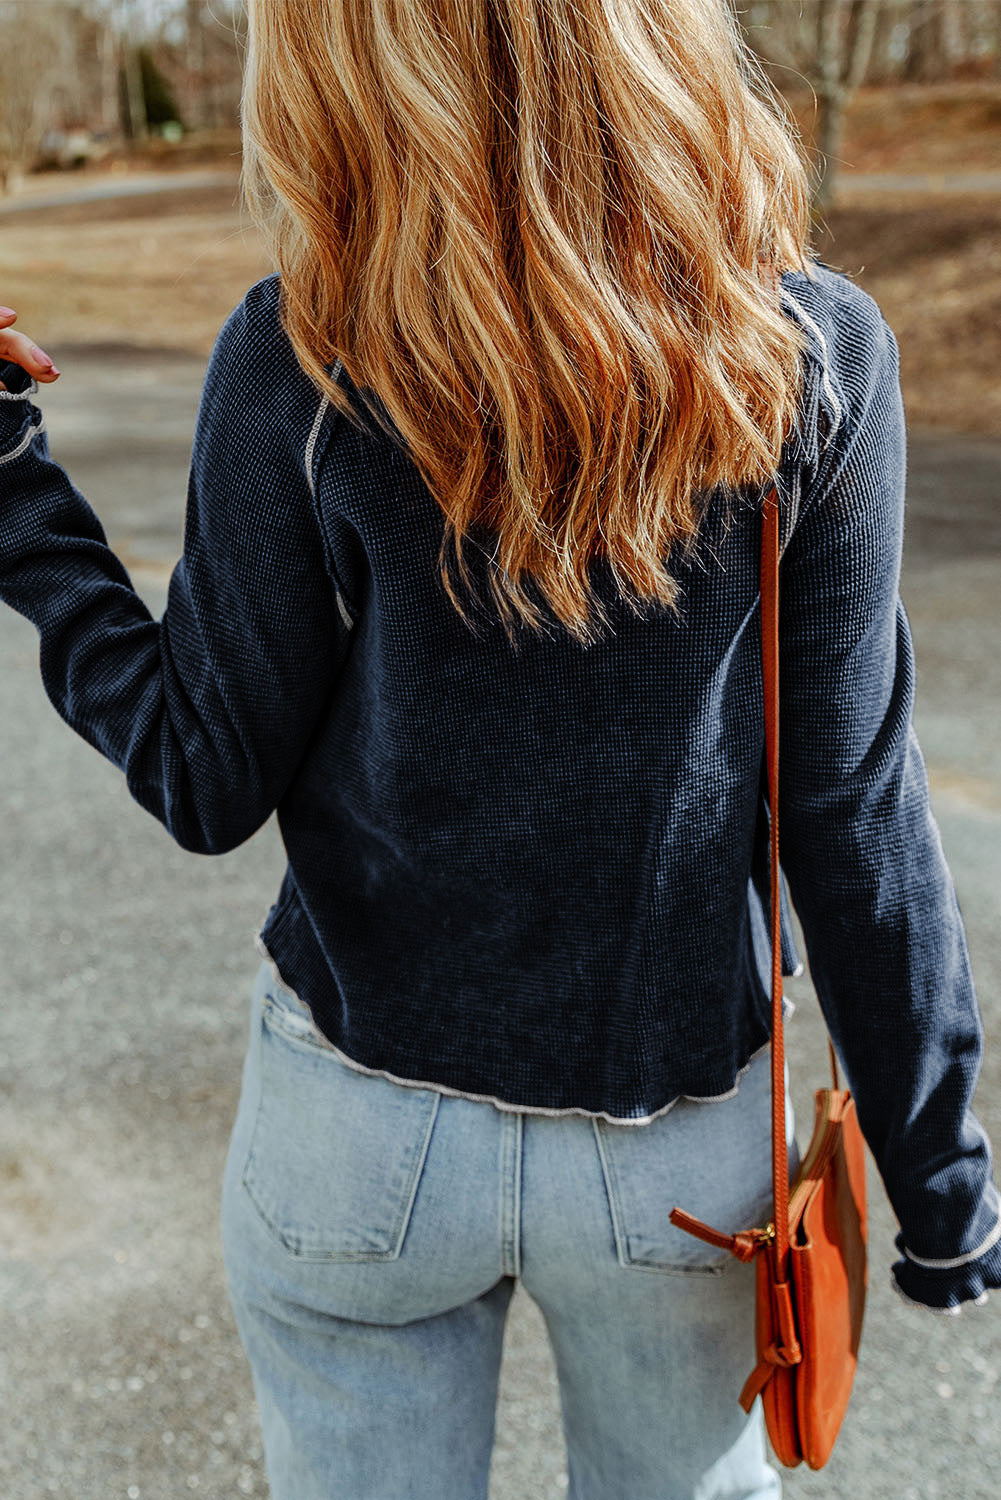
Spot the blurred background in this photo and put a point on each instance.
(128, 963)
(119, 146)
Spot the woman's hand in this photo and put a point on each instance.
(18, 348)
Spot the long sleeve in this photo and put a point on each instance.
(861, 848)
(209, 710)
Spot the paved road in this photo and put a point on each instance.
(920, 182)
(128, 965)
(111, 185)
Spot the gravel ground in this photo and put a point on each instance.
(128, 966)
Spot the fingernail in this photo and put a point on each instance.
(7, 312)
(53, 371)
(41, 356)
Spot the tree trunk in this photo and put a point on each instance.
(138, 128)
(111, 109)
(925, 51)
(830, 96)
(846, 31)
(198, 103)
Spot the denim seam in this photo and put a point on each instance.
(275, 1016)
(626, 1257)
(611, 1191)
(510, 1195)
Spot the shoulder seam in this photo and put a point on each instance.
(802, 316)
(314, 433)
(340, 594)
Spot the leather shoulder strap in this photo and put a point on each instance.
(770, 680)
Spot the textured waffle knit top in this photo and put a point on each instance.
(537, 874)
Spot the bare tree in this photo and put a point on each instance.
(946, 37)
(32, 43)
(836, 45)
(138, 129)
(212, 61)
(827, 43)
(931, 40)
(65, 64)
(109, 107)
(845, 33)
(194, 25)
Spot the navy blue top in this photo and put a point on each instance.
(538, 874)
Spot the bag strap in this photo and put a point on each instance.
(770, 680)
(747, 1243)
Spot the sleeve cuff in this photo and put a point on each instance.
(944, 1285)
(20, 420)
(20, 385)
(953, 1309)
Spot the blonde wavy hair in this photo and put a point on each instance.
(540, 231)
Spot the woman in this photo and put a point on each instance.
(469, 595)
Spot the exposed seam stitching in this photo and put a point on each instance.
(30, 390)
(503, 1104)
(314, 433)
(789, 517)
(317, 424)
(26, 441)
(343, 611)
(959, 1260)
(519, 1155)
(510, 1194)
(311, 442)
(801, 312)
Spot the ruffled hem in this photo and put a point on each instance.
(953, 1311)
(945, 1291)
(788, 1007)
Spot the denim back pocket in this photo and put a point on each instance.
(712, 1158)
(335, 1156)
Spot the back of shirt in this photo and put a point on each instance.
(537, 874)
(535, 877)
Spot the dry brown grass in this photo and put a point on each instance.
(934, 266)
(158, 270)
(917, 127)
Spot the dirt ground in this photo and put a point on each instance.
(921, 127)
(162, 270)
(933, 263)
(165, 270)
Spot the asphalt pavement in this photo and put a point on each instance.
(128, 965)
(54, 190)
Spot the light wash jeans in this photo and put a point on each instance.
(372, 1236)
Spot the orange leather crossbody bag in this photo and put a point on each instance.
(811, 1259)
